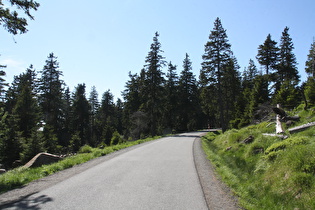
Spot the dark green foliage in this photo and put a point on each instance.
(219, 68)
(3, 84)
(81, 115)
(10, 144)
(188, 100)
(116, 139)
(12, 21)
(288, 95)
(268, 54)
(310, 63)
(172, 98)
(286, 68)
(153, 85)
(94, 108)
(310, 91)
(26, 109)
(51, 95)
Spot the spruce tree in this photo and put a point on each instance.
(267, 54)
(94, 108)
(106, 117)
(217, 54)
(188, 100)
(51, 94)
(26, 110)
(3, 84)
(286, 68)
(153, 88)
(172, 97)
(231, 91)
(310, 63)
(81, 115)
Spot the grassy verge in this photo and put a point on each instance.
(268, 173)
(21, 176)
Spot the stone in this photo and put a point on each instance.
(42, 159)
(229, 148)
(248, 140)
(2, 171)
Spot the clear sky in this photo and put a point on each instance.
(98, 42)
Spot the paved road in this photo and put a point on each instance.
(158, 175)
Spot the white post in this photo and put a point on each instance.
(279, 128)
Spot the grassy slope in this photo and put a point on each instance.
(21, 176)
(268, 173)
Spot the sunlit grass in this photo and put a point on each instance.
(268, 173)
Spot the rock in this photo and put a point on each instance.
(2, 171)
(248, 140)
(16, 163)
(42, 159)
(229, 148)
(258, 150)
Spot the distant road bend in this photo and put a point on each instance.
(157, 175)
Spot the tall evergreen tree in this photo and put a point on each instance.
(3, 84)
(106, 116)
(286, 68)
(217, 54)
(231, 90)
(26, 109)
(81, 115)
(66, 110)
(268, 54)
(50, 98)
(188, 100)
(94, 108)
(310, 63)
(171, 92)
(153, 88)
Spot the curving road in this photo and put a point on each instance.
(158, 175)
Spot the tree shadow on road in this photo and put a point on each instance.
(28, 202)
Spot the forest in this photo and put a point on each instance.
(38, 112)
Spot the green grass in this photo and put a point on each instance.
(21, 176)
(268, 173)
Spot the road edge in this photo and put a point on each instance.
(217, 195)
(36, 186)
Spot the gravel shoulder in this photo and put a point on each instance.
(217, 195)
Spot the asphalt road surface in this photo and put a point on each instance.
(157, 175)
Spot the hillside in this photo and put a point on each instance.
(267, 172)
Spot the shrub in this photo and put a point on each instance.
(116, 139)
(85, 149)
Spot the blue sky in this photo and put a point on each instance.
(98, 42)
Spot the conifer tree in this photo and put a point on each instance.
(286, 68)
(268, 54)
(3, 84)
(81, 115)
(50, 98)
(153, 88)
(172, 97)
(310, 63)
(188, 100)
(106, 117)
(217, 54)
(231, 91)
(94, 108)
(26, 110)
(64, 138)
